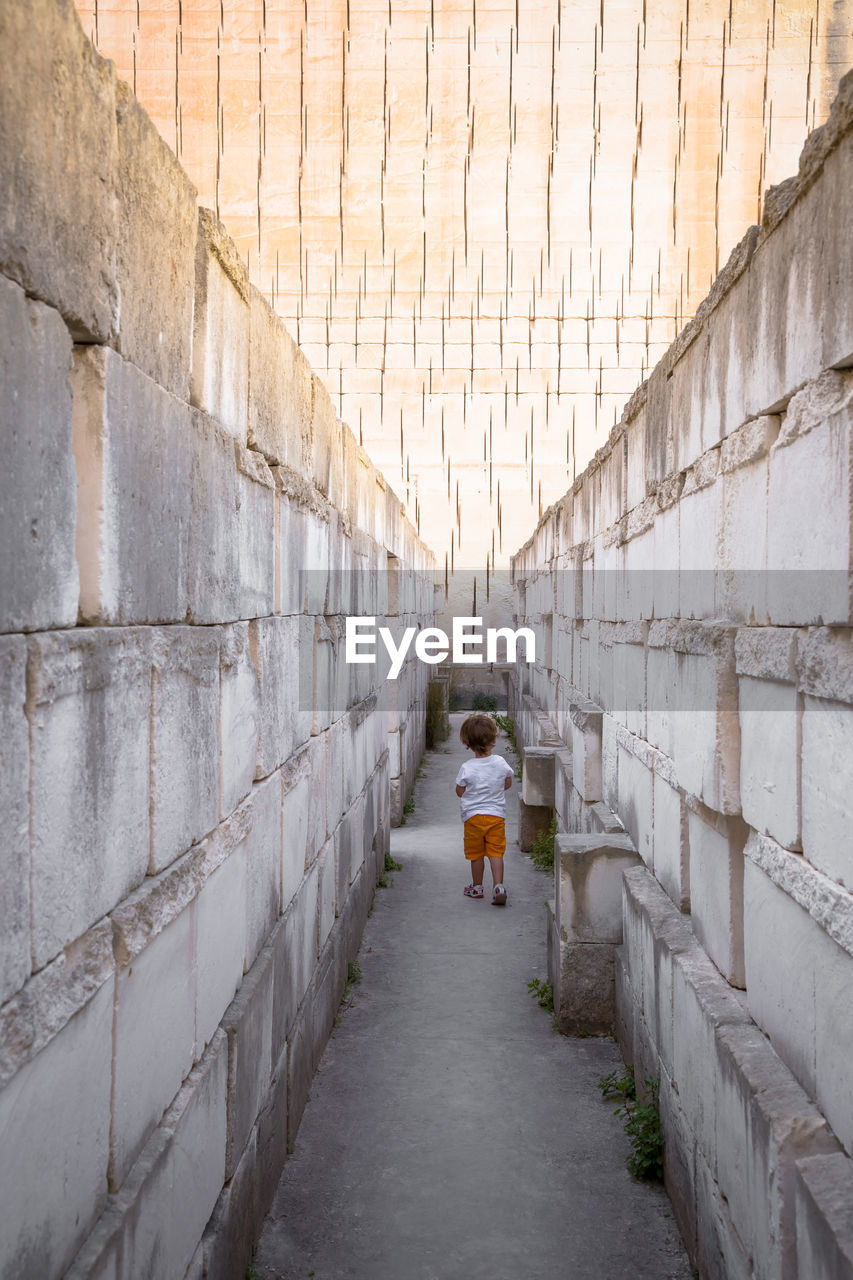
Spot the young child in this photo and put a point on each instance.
(482, 784)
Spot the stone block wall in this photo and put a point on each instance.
(197, 790)
(691, 597)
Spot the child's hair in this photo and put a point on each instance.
(479, 731)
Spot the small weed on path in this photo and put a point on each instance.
(542, 852)
(641, 1122)
(543, 994)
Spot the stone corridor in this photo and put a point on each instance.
(451, 1134)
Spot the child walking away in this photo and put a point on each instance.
(482, 784)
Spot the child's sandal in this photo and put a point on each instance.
(473, 891)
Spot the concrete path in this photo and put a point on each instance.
(451, 1134)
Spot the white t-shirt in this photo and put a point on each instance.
(483, 780)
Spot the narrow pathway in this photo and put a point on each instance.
(451, 1134)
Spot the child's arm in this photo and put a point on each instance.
(460, 791)
(507, 783)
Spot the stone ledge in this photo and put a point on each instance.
(830, 905)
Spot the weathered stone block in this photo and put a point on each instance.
(532, 822)
(706, 743)
(221, 941)
(671, 857)
(811, 466)
(234, 1225)
(589, 883)
(827, 729)
(635, 804)
(185, 740)
(770, 727)
(586, 750)
(157, 989)
(256, 550)
(58, 151)
(294, 821)
(248, 1026)
(90, 692)
(240, 717)
(716, 889)
(220, 351)
(14, 804)
(273, 643)
(295, 947)
(38, 572)
(824, 1217)
(155, 250)
(263, 865)
(587, 996)
(326, 890)
(300, 1070)
(764, 1122)
(134, 517)
(213, 577)
(281, 391)
(153, 1225)
(55, 1120)
(537, 787)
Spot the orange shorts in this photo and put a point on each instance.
(485, 836)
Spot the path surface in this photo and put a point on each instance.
(451, 1134)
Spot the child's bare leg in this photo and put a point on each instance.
(478, 866)
(497, 866)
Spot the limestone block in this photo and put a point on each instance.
(826, 758)
(58, 152)
(764, 1122)
(327, 460)
(157, 989)
(152, 1227)
(220, 350)
(239, 717)
(824, 1223)
(586, 749)
(213, 575)
(349, 851)
(671, 851)
(300, 1069)
(700, 516)
(327, 989)
(273, 642)
(635, 804)
(155, 250)
(662, 682)
(248, 1026)
(90, 692)
(589, 900)
(295, 947)
(537, 787)
(256, 550)
(809, 514)
(706, 730)
(14, 804)
(38, 572)
(317, 811)
(770, 727)
(263, 865)
(326, 891)
(665, 603)
(281, 391)
(533, 820)
(716, 890)
(185, 737)
(679, 1157)
(293, 571)
(719, 1251)
(294, 821)
(272, 1138)
(132, 446)
(221, 913)
(833, 973)
(235, 1222)
(742, 576)
(55, 1120)
(586, 1004)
